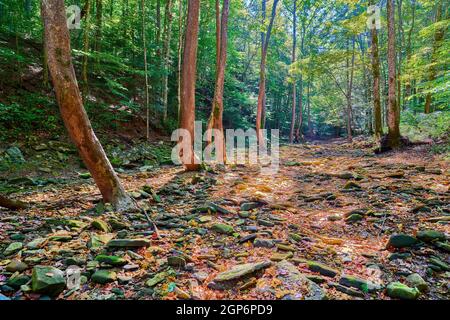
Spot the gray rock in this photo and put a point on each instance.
(416, 281)
(263, 243)
(13, 248)
(47, 280)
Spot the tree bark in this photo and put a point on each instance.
(166, 53)
(216, 118)
(147, 94)
(86, 48)
(57, 42)
(350, 74)
(180, 50)
(294, 93)
(188, 77)
(376, 85)
(408, 85)
(393, 112)
(262, 74)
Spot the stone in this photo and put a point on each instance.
(300, 287)
(17, 281)
(281, 256)
(416, 281)
(244, 214)
(248, 238)
(247, 206)
(263, 243)
(352, 185)
(430, 236)
(222, 228)
(354, 218)
(15, 155)
(346, 290)
(440, 264)
(401, 240)
(176, 261)
(158, 278)
(240, 271)
(36, 243)
(85, 175)
(118, 225)
(128, 243)
(396, 174)
(265, 223)
(60, 238)
(322, 269)
(442, 245)
(358, 283)
(111, 260)
(3, 298)
(16, 265)
(13, 248)
(217, 208)
(104, 276)
(401, 256)
(400, 291)
(200, 276)
(334, 217)
(101, 225)
(17, 237)
(47, 280)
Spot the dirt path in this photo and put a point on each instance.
(326, 215)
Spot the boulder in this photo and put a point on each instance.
(47, 280)
(400, 291)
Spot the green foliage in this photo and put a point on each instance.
(424, 126)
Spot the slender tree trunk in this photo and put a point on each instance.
(299, 132)
(376, 85)
(188, 77)
(98, 27)
(147, 95)
(308, 105)
(57, 42)
(408, 90)
(216, 118)
(180, 50)
(294, 93)
(167, 31)
(350, 74)
(262, 75)
(393, 113)
(438, 37)
(86, 48)
(11, 204)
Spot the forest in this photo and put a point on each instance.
(120, 176)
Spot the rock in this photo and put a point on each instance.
(158, 278)
(354, 218)
(416, 281)
(217, 208)
(345, 175)
(222, 228)
(293, 281)
(36, 243)
(440, 264)
(118, 225)
(3, 298)
(200, 276)
(60, 238)
(352, 185)
(244, 214)
(265, 223)
(15, 155)
(430, 236)
(247, 206)
(47, 280)
(401, 256)
(16, 265)
(322, 269)
(281, 256)
(128, 243)
(397, 174)
(358, 283)
(401, 240)
(181, 294)
(236, 273)
(400, 291)
(85, 175)
(17, 237)
(263, 243)
(250, 237)
(442, 245)
(176, 261)
(17, 281)
(104, 276)
(334, 217)
(346, 290)
(111, 260)
(13, 248)
(101, 225)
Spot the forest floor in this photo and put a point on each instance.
(319, 228)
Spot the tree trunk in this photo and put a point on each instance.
(216, 118)
(393, 112)
(350, 74)
(98, 27)
(262, 74)
(147, 95)
(57, 42)
(299, 132)
(11, 204)
(408, 86)
(294, 93)
(188, 77)
(308, 105)
(86, 48)
(376, 85)
(166, 53)
(180, 50)
(438, 37)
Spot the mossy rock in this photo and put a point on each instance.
(47, 280)
(111, 260)
(401, 291)
(401, 240)
(430, 236)
(222, 228)
(104, 276)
